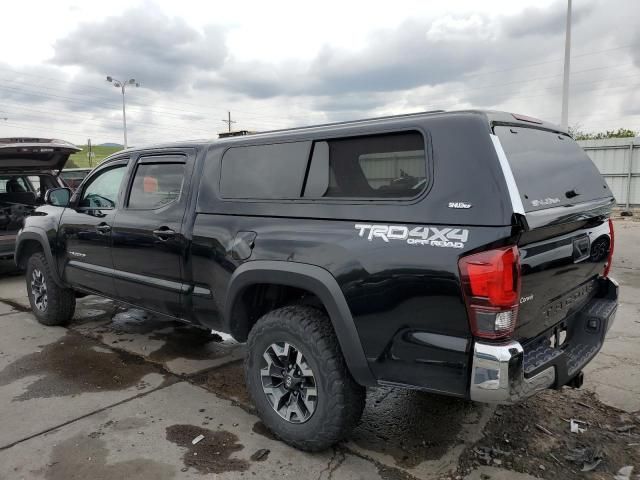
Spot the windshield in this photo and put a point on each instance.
(550, 169)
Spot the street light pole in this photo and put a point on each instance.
(564, 122)
(124, 118)
(123, 86)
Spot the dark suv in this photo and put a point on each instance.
(28, 168)
(446, 252)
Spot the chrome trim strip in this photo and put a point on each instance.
(514, 193)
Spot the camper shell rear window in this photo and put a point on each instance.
(550, 169)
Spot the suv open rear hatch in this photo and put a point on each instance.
(32, 155)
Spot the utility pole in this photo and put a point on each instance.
(122, 86)
(228, 121)
(90, 152)
(564, 121)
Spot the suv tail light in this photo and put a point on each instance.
(491, 286)
(607, 266)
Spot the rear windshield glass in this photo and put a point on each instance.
(550, 170)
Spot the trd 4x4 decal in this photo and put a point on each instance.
(435, 237)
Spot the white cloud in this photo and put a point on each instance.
(278, 65)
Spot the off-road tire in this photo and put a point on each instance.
(61, 302)
(340, 399)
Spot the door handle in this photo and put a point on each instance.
(164, 233)
(103, 228)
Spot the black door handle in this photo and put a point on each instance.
(103, 228)
(164, 233)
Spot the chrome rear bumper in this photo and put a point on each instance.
(497, 374)
(498, 370)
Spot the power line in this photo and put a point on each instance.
(431, 105)
(546, 62)
(57, 114)
(92, 87)
(88, 102)
(84, 100)
(23, 126)
(537, 79)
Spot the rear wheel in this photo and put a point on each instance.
(298, 379)
(51, 304)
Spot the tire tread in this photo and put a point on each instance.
(61, 302)
(346, 398)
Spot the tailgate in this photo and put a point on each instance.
(565, 243)
(560, 265)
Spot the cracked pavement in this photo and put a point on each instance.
(121, 394)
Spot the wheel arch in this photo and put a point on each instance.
(30, 242)
(311, 278)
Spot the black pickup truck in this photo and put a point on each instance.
(449, 252)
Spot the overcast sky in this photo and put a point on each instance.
(278, 64)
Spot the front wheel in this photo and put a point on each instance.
(298, 379)
(50, 303)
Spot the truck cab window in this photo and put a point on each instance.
(102, 190)
(156, 185)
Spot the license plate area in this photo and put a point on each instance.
(581, 248)
(558, 336)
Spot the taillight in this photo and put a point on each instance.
(607, 266)
(491, 285)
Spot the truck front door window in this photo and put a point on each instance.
(102, 191)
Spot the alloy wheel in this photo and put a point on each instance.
(288, 382)
(599, 250)
(39, 290)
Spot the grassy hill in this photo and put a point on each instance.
(80, 160)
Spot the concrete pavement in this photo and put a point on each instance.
(615, 372)
(121, 394)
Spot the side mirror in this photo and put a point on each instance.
(58, 197)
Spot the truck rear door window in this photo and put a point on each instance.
(156, 185)
(550, 170)
(389, 165)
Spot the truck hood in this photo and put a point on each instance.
(34, 154)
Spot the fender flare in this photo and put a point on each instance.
(39, 236)
(321, 283)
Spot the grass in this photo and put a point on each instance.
(80, 160)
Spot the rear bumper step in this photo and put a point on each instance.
(507, 373)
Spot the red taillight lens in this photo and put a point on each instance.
(607, 266)
(491, 284)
